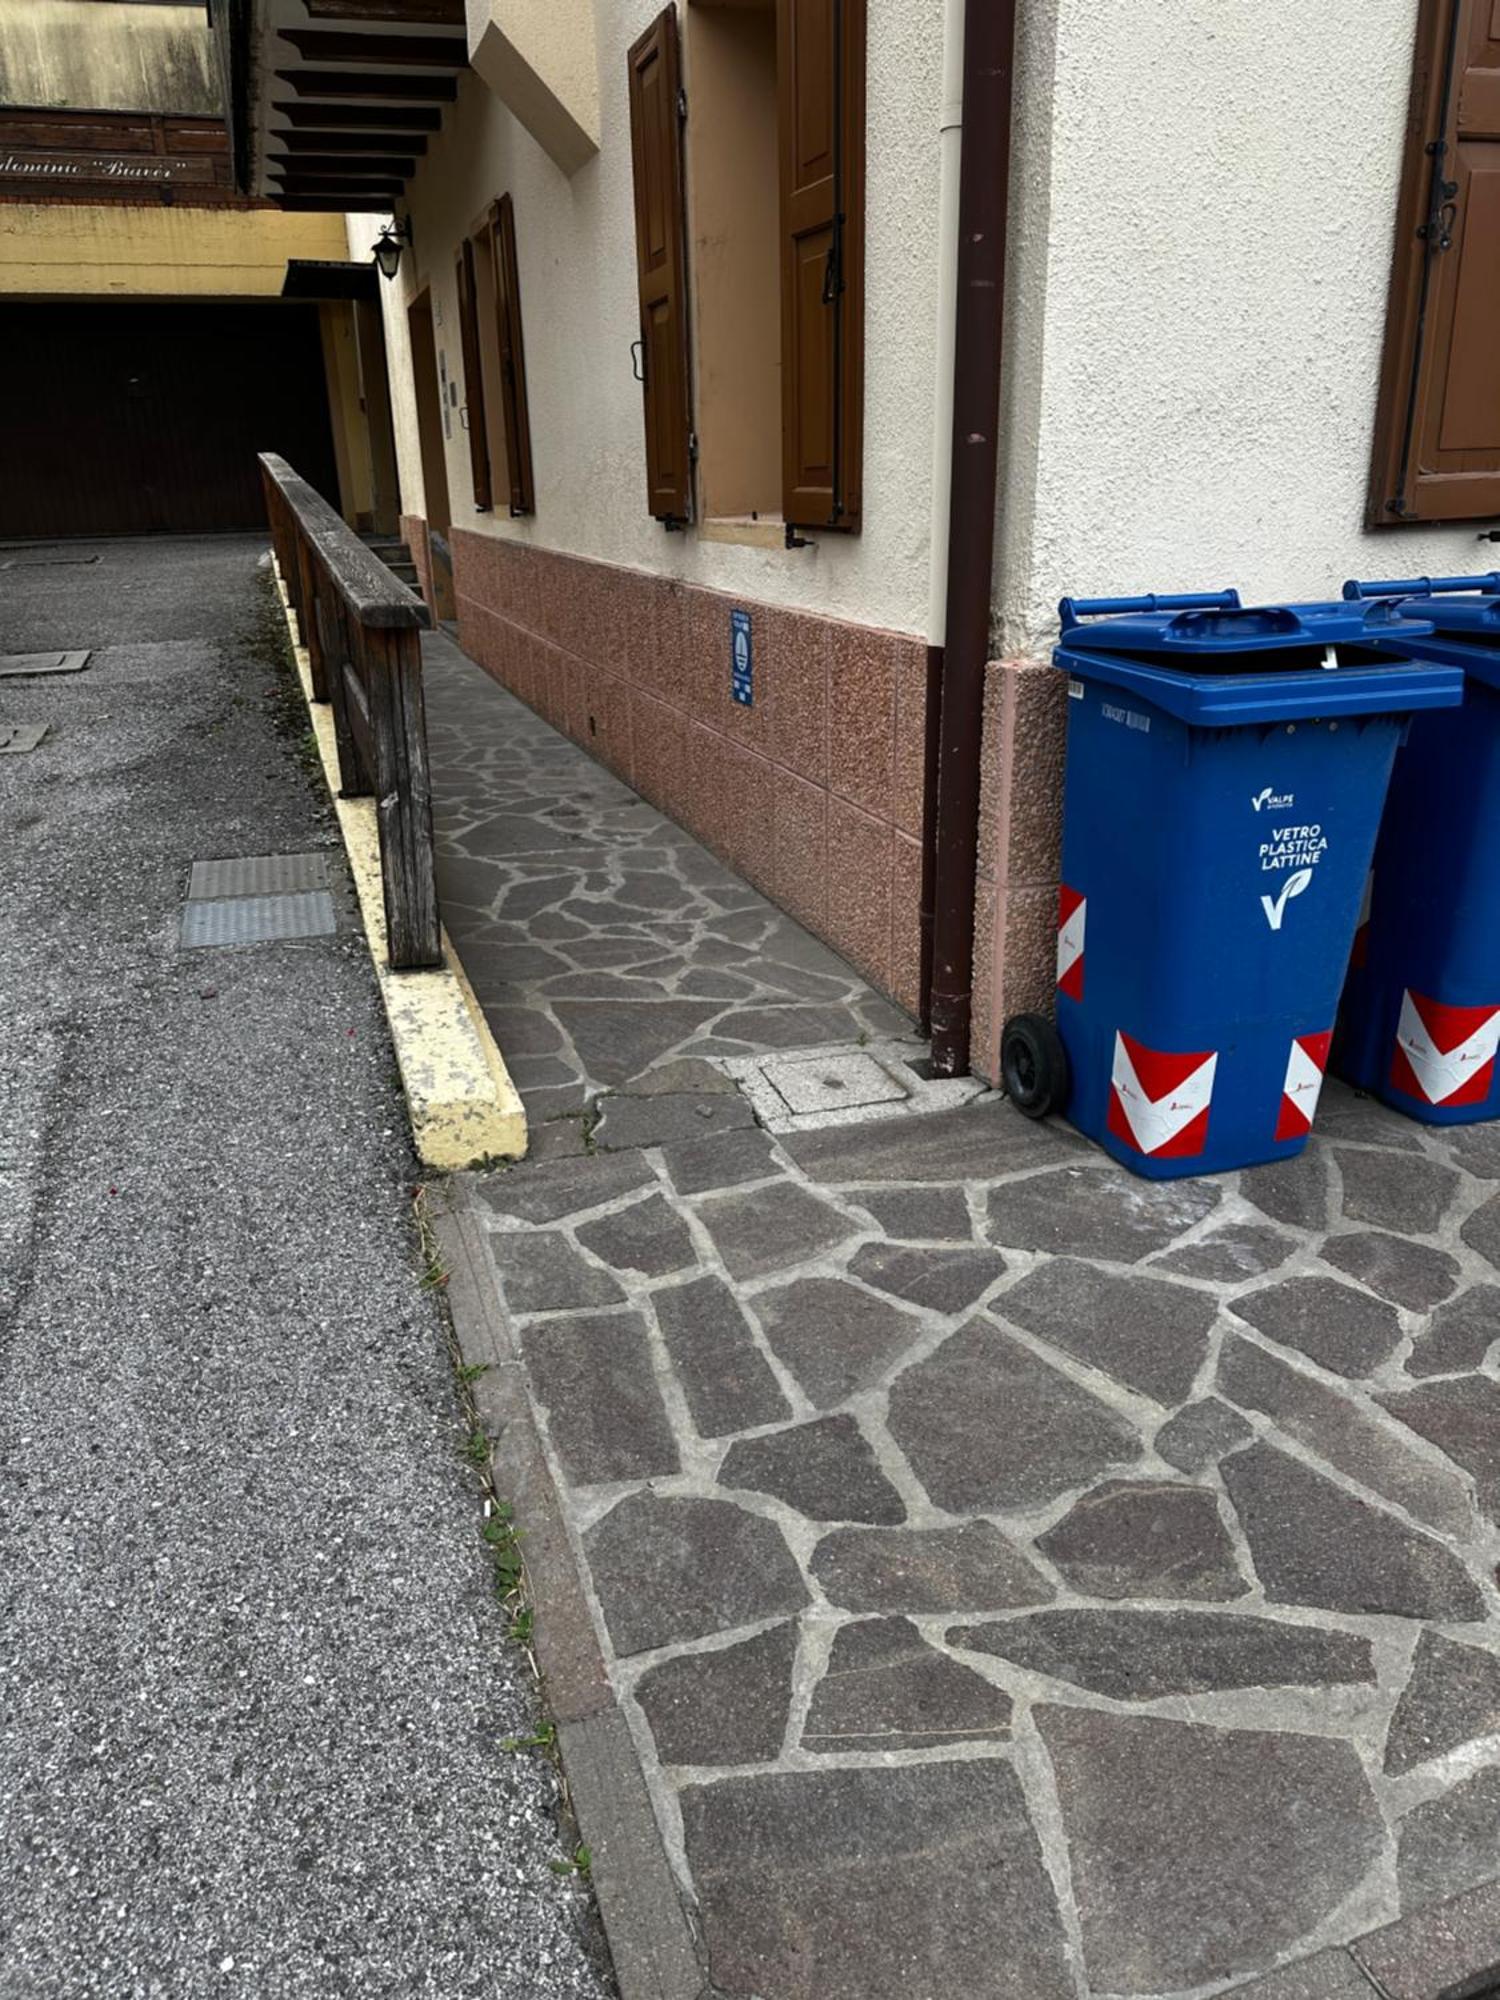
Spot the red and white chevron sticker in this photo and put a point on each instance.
(1445, 1055)
(1072, 915)
(1304, 1081)
(1158, 1103)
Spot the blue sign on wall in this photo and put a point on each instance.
(741, 659)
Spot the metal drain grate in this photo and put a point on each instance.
(258, 875)
(16, 738)
(258, 919)
(14, 665)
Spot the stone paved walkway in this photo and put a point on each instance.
(601, 938)
(1020, 1579)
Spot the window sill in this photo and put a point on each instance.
(744, 533)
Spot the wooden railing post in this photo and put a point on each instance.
(403, 796)
(310, 605)
(345, 685)
(362, 630)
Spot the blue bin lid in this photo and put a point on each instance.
(1211, 660)
(1464, 610)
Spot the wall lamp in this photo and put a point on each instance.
(389, 245)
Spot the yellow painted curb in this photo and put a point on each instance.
(464, 1109)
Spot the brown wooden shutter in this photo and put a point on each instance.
(660, 234)
(512, 356)
(1437, 442)
(468, 331)
(820, 64)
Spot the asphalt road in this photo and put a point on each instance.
(255, 1686)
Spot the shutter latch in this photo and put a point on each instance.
(1437, 231)
(833, 269)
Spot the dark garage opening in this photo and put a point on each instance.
(125, 419)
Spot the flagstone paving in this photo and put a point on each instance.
(1022, 1582)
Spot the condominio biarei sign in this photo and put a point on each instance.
(150, 169)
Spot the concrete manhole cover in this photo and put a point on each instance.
(16, 664)
(16, 738)
(843, 1085)
(257, 919)
(258, 875)
(832, 1082)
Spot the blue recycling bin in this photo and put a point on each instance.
(1226, 769)
(1420, 1022)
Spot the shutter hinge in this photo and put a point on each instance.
(681, 105)
(693, 446)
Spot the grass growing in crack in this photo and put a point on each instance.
(503, 1540)
(544, 1738)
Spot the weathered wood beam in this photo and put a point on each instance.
(347, 203)
(380, 118)
(378, 89)
(334, 191)
(411, 13)
(404, 143)
(394, 51)
(327, 166)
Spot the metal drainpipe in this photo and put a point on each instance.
(983, 193)
(949, 133)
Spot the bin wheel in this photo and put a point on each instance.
(1034, 1065)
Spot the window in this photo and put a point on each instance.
(474, 410)
(1437, 438)
(775, 141)
(502, 355)
(662, 357)
(495, 360)
(734, 213)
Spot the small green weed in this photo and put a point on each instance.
(541, 1738)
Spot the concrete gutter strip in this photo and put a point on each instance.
(651, 1940)
(463, 1105)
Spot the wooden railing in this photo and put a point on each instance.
(362, 630)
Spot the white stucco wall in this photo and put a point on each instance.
(1202, 243)
(575, 245)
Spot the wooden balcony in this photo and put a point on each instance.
(332, 102)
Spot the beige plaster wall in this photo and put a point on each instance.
(360, 232)
(575, 245)
(72, 250)
(541, 58)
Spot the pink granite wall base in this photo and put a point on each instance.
(1020, 842)
(814, 793)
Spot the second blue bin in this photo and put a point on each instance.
(1420, 1023)
(1226, 769)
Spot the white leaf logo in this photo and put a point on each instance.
(1275, 908)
